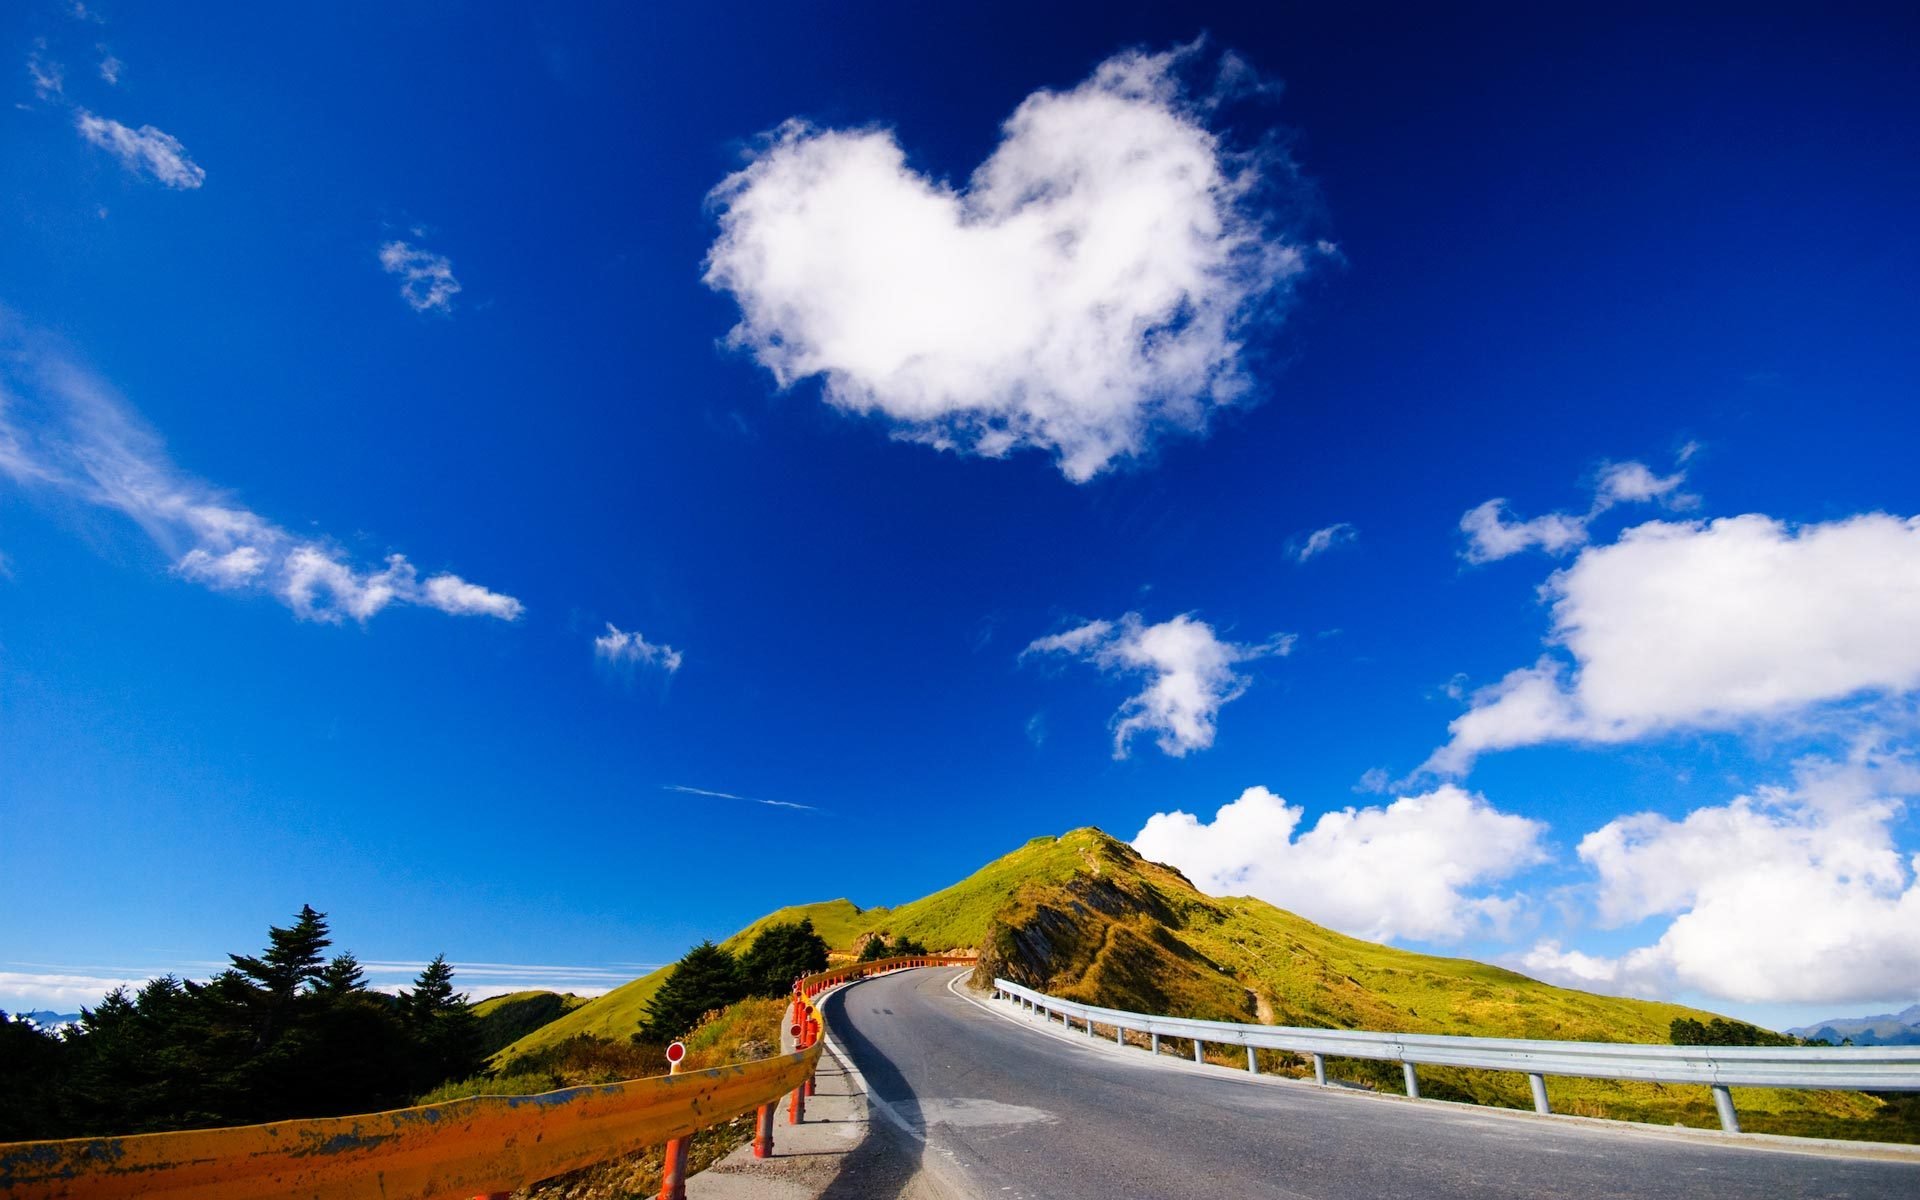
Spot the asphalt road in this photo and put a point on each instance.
(1005, 1110)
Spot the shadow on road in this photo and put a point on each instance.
(886, 1163)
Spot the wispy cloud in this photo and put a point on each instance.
(624, 648)
(694, 791)
(110, 67)
(1493, 534)
(49, 77)
(144, 151)
(67, 988)
(426, 279)
(1322, 540)
(64, 431)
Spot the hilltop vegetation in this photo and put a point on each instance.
(1086, 917)
(504, 1020)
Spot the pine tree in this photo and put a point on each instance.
(341, 976)
(781, 954)
(446, 1034)
(705, 978)
(292, 956)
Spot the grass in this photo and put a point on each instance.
(1085, 917)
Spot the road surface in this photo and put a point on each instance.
(1002, 1109)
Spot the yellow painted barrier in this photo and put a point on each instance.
(490, 1144)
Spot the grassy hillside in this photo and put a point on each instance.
(1127, 933)
(953, 918)
(1084, 916)
(506, 1019)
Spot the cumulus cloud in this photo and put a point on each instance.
(64, 431)
(1189, 671)
(426, 279)
(1417, 868)
(1089, 287)
(1791, 894)
(1708, 624)
(1322, 540)
(1493, 533)
(144, 151)
(621, 648)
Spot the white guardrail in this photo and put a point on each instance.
(1845, 1068)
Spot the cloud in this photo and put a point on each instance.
(1708, 624)
(1088, 289)
(621, 648)
(1493, 535)
(1190, 674)
(69, 988)
(64, 431)
(49, 77)
(426, 279)
(1791, 894)
(110, 67)
(145, 150)
(1417, 868)
(694, 791)
(1322, 540)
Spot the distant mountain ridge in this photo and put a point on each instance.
(1886, 1029)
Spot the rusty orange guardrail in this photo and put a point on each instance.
(485, 1146)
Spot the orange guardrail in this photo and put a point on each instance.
(485, 1146)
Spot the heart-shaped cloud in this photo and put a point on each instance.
(1087, 288)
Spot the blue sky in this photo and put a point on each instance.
(791, 506)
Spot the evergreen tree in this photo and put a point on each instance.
(292, 956)
(705, 978)
(446, 1034)
(341, 976)
(781, 954)
(31, 1065)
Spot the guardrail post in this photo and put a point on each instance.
(1119, 1035)
(1539, 1085)
(1198, 1050)
(1089, 1026)
(763, 1131)
(1413, 1081)
(1723, 1103)
(1153, 1042)
(673, 1171)
(797, 1105)
(1253, 1064)
(1320, 1069)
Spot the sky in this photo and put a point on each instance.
(550, 488)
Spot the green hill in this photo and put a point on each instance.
(506, 1019)
(1084, 916)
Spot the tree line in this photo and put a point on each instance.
(282, 1034)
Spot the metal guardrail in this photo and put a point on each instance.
(485, 1146)
(1843, 1068)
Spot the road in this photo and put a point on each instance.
(1002, 1109)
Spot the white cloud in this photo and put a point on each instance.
(694, 791)
(49, 77)
(110, 67)
(1190, 674)
(145, 150)
(1708, 624)
(65, 431)
(622, 648)
(1787, 895)
(1322, 540)
(1087, 289)
(1492, 534)
(426, 279)
(1417, 868)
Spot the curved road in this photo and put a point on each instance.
(1000, 1108)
